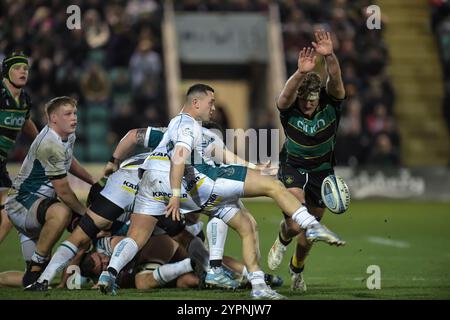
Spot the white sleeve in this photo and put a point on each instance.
(183, 133)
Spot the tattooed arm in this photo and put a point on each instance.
(126, 146)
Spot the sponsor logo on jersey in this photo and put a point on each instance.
(14, 121)
(159, 154)
(130, 185)
(158, 194)
(187, 132)
(311, 129)
(212, 201)
(192, 183)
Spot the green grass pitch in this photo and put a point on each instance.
(409, 241)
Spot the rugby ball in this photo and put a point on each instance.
(335, 194)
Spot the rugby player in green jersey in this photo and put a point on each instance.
(15, 105)
(310, 115)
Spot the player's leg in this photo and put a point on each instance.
(99, 216)
(216, 233)
(172, 259)
(11, 279)
(258, 185)
(141, 227)
(302, 249)
(89, 226)
(244, 223)
(5, 224)
(288, 230)
(54, 217)
(217, 275)
(313, 199)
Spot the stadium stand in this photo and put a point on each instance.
(114, 65)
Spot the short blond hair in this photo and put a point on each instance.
(56, 103)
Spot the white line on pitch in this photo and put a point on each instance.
(389, 242)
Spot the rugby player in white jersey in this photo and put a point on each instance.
(207, 188)
(115, 198)
(41, 202)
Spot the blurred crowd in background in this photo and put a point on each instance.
(440, 24)
(114, 66)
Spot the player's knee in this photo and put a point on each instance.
(276, 187)
(88, 226)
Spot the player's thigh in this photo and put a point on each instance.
(24, 216)
(141, 227)
(257, 184)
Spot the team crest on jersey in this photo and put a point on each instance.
(289, 179)
(228, 171)
(188, 132)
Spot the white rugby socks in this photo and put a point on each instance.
(257, 280)
(303, 217)
(123, 253)
(216, 232)
(171, 271)
(66, 251)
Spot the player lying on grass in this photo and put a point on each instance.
(160, 263)
(205, 187)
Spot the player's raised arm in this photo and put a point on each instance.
(306, 63)
(324, 46)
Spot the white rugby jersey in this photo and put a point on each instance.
(200, 171)
(48, 157)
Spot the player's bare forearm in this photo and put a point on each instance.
(133, 138)
(335, 85)
(289, 92)
(78, 171)
(66, 194)
(30, 129)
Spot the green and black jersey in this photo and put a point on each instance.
(13, 115)
(309, 144)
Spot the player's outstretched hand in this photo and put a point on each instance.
(173, 208)
(323, 44)
(306, 60)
